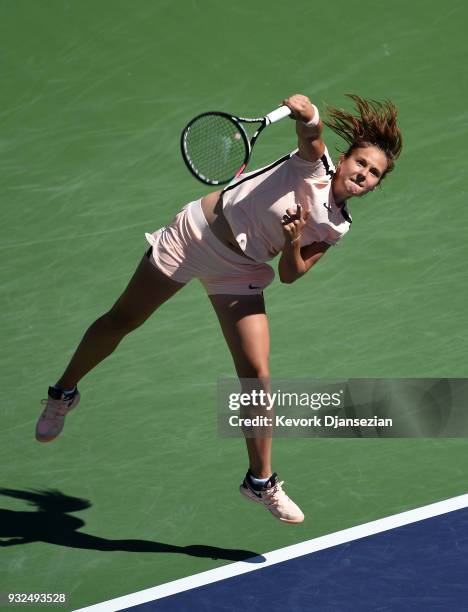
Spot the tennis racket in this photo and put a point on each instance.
(216, 148)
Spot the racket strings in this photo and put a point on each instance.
(215, 147)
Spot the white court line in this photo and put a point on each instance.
(282, 554)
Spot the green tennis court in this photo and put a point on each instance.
(95, 95)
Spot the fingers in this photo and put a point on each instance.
(293, 223)
(296, 101)
(289, 227)
(301, 107)
(297, 215)
(302, 214)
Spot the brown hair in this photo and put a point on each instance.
(376, 124)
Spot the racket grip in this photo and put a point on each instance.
(278, 114)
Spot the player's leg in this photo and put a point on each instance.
(245, 327)
(146, 291)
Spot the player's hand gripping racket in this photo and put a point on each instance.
(216, 148)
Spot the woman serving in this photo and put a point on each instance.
(296, 206)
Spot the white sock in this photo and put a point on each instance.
(66, 391)
(258, 482)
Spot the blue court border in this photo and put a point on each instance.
(414, 560)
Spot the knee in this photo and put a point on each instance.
(121, 321)
(263, 373)
(259, 371)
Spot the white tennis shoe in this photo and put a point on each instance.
(274, 498)
(51, 421)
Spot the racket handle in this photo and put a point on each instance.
(278, 114)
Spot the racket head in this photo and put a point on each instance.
(215, 147)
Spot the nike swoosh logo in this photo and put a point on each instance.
(327, 206)
(253, 287)
(259, 495)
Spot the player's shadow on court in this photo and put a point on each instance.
(52, 523)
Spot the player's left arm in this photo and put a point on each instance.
(310, 143)
(296, 261)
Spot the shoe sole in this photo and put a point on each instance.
(45, 440)
(245, 493)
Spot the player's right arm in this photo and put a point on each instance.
(310, 143)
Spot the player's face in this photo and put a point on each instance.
(359, 173)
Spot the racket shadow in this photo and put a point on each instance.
(51, 523)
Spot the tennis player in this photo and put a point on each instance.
(296, 206)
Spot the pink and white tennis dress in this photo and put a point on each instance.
(254, 205)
